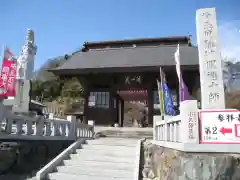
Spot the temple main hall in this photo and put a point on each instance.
(121, 77)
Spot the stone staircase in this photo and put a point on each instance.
(101, 159)
(124, 132)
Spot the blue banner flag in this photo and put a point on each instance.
(167, 98)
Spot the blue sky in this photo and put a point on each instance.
(61, 26)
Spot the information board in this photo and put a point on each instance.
(220, 127)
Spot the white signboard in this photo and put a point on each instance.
(220, 127)
(210, 64)
(91, 101)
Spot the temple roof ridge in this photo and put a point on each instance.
(131, 47)
(136, 40)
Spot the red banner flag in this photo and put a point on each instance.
(8, 75)
(7, 54)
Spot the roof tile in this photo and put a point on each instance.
(131, 57)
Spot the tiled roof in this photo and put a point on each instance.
(130, 57)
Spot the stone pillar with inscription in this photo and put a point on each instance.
(189, 122)
(210, 64)
(25, 70)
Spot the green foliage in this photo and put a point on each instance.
(51, 89)
(72, 88)
(48, 87)
(44, 75)
(36, 88)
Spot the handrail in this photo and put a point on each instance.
(138, 159)
(168, 119)
(41, 174)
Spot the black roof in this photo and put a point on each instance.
(138, 42)
(130, 57)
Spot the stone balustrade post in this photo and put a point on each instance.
(9, 123)
(189, 122)
(19, 125)
(39, 126)
(63, 128)
(166, 129)
(91, 123)
(154, 129)
(73, 129)
(29, 127)
(48, 128)
(171, 132)
(175, 130)
(51, 116)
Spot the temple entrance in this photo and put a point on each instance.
(133, 108)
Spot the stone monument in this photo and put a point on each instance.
(210, 63)
(25, 70)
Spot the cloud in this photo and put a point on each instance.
(229, 36)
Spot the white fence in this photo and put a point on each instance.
(183, 128)
(38, 128)
(169, 131)
(178, 132)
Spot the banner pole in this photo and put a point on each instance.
(162, 109)
(2, 57)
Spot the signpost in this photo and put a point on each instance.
(220, 127)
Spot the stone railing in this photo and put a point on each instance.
(182, 128)
(38, 128)
(169, 130)
(176, 131)
(182, 132)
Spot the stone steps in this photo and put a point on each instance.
(112, 148)
(101, 159)
(64, 176)
(114, 172)
(113, 142)
(106, 152)
(138, 134)
(97, 164)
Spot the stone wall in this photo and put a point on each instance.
(159, 163)
(26, 158)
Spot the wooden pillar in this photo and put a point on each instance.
(117, 111)
(111, 107)
(115, 107)
(122, 111)
(150, 105)
(112, 103)
(86, 107)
